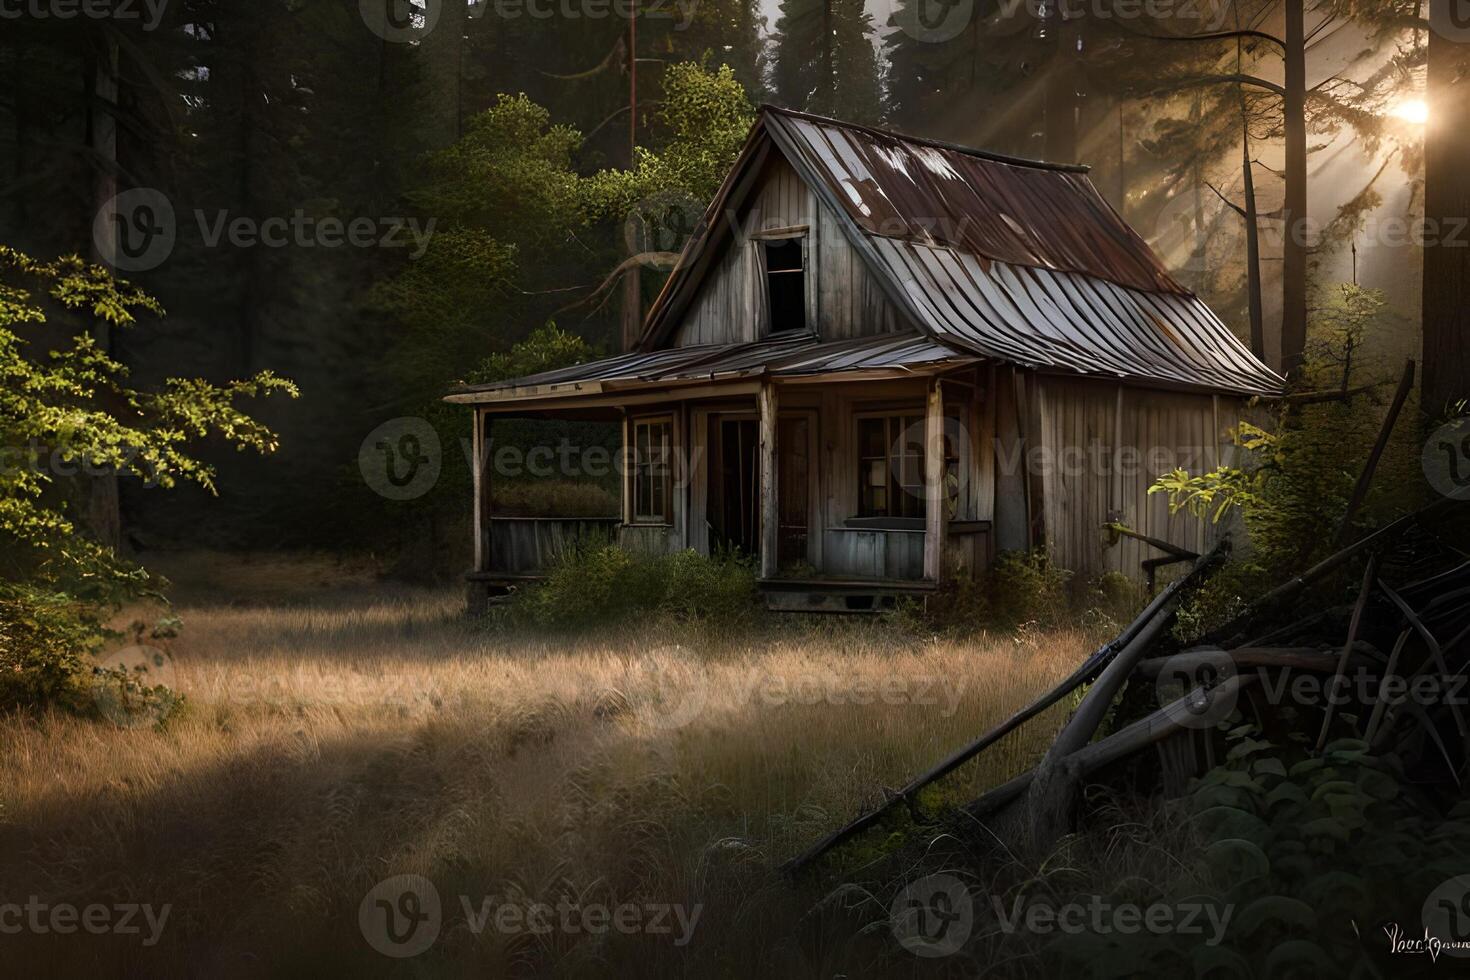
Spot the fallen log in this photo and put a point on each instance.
(1051, 797)
(1130, 739)
(1089, 670)
(1308, 659)
(1370, 468)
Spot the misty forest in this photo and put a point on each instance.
(725, 488)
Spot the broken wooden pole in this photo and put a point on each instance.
(1082, 675)
(1370, 468)
(1050, 799)
(1370, 576)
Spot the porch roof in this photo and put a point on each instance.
(787, 356)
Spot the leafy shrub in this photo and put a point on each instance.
(1300, 845)
(1020, 587)
(66, 398)
(603, 583)
(45, 640)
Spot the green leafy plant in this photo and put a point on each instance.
(73, 405)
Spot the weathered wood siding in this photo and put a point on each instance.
(1098, 448)
(843, 297)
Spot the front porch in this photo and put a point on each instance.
(848, 488)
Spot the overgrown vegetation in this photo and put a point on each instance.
(68, 422)
(1025, 589)
(1292, 477)
(600, 584)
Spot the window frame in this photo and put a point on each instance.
(953, 464)
(641, 469)
(759, 241)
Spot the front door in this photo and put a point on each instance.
(793, 487)
(734, 484)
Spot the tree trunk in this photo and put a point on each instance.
(1253, 249)
(1296, 244)
(1446, 202)
(104, 511)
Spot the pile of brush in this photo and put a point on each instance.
(1392, 669)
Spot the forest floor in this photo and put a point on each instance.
(600, 804)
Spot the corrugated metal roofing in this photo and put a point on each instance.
(800, 354)
(1024, 262)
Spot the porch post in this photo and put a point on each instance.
(935, 510)
(770, 513)
(481, 481)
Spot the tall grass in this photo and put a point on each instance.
(331, 743)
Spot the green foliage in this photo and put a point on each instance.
(72, 405)
(1019, 588)
(1298, 845)
(1293, 481)
(601, 583)
(547, 348)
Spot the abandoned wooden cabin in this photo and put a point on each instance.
(881, 359)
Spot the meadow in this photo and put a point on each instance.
(338, 731)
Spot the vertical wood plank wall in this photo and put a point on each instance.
(1081, 424)
(844, 299)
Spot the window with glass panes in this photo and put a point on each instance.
(891, 467)
(652, 474)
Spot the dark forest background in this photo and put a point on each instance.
(514, 135)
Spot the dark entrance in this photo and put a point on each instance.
(735, 486)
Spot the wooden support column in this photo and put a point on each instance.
(770, 511)
(481, 480)
(935, 509)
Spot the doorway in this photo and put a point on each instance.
(734, 507)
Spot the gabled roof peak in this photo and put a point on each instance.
(882, 133)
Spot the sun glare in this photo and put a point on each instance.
(1413, 110)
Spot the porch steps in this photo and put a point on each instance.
(846, 596)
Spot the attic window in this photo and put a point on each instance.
(786, 284)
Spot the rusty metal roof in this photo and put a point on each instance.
(1015, 260)
(788, 356)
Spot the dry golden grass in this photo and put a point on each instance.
(352, 733)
